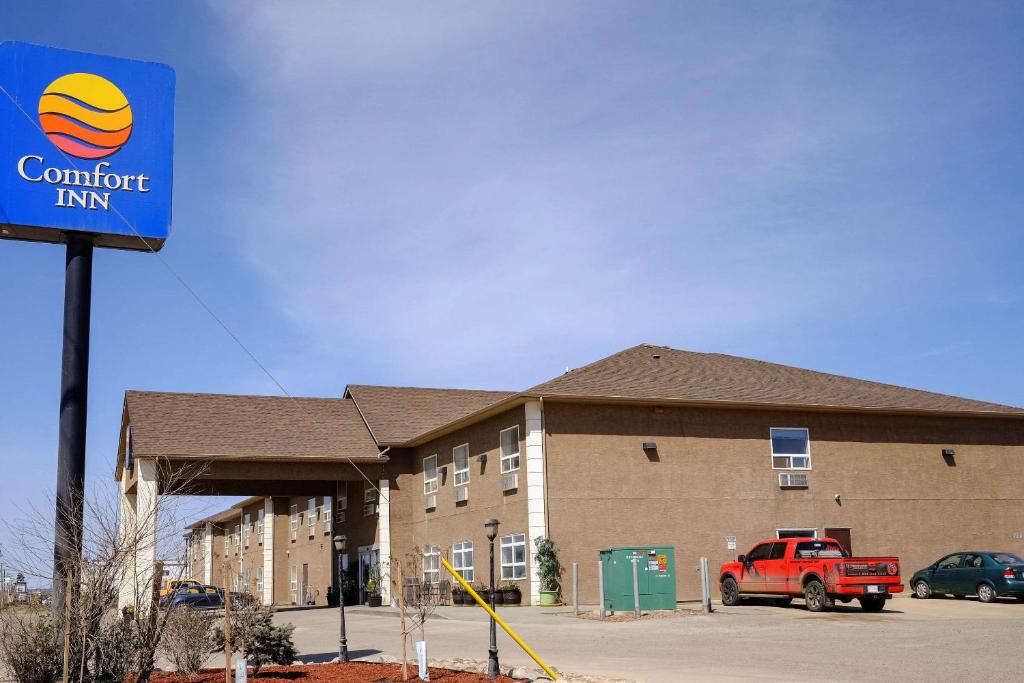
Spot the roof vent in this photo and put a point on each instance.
(655, 356)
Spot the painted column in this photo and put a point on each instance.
(268, 551)
(536, 514)
(208, 553)
(384, 538)
(126, 531)
(146, 526)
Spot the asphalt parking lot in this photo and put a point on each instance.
(912, 640)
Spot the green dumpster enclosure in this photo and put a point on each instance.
(655, 575)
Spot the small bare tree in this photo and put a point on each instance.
(102, 643)
(420, 592)
(188, 640)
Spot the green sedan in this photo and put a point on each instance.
(989, 575)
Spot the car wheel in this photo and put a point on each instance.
(782, 602)
(730, 592)
(815, 596)
(922, 590)
(872, 603)
(986, 593)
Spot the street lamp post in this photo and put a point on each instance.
(339, 547)
(492, 653)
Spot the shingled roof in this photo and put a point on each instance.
(397, 414)
(224, 426)
(661, 373)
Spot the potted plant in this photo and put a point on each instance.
(511, 595)
(460, 596)
(372, 593)
(484, 592)
(550, 570)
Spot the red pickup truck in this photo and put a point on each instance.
(818, 569)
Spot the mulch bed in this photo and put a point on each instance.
(350, 672)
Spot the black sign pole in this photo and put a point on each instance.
(74, 396)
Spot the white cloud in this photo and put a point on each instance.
(441, 186)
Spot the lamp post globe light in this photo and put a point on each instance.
(492, 652)
(339, 547)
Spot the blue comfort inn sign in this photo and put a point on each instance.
(86, 147)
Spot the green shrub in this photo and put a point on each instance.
(253, 634)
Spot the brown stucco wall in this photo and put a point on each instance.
(449, 522)
(712, 478)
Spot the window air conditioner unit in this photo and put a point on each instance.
(430, 502)
(793, 480)
(339, 516)
(461, 494)
(369, 510)
(510, 482)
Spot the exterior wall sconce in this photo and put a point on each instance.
(948, 452)
(482, 458)
(650, 446)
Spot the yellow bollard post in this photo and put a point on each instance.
(501, 622)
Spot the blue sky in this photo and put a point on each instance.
(481, 194)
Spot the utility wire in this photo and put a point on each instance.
(188, 288)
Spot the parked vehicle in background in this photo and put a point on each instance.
(987, 574)
(817, 569)
(192, 597)
(173, 585)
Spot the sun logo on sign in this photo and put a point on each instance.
(85, 115)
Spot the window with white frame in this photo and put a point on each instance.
(259, 580)
(462, 559)
(430, 474)
(791, 448)
(294, 520)
(510, 449)
(369, 494)
(328, 515)
(796, 533)
(237, 536)
(293, 583)
(311, 515)
(431, 564)
(460, 457)
(260, 522)
(513, 557)
(246, 529)
(246, 577)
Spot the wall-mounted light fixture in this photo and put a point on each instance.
(948, 452)
(650, 446)
(482, 458)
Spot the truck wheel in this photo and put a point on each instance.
(814, 595)
(922, 590)
(986, 593)
(730, 592)
(872, 603)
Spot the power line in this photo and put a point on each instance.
(188, 288)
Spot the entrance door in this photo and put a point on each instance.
(305, 585)
(843, 535)
(369, 556)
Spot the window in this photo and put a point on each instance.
(812, 549)
(260, 522)
(328, 516)
(510, 449)
(369, 494)
(431, 564)
(778, 551)
(513, 557)
(339, 513)
(796, 533)
(293, 584)
(247, 529)
(760, 552)
(974, 561)
(429, 474)
(462, 559)
(460, 454)
(237, 536)
(311, 516)
(1006, 558)
(294, 520)
(791, 448)
(259, 580)
(951, 562)
(246, 576)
